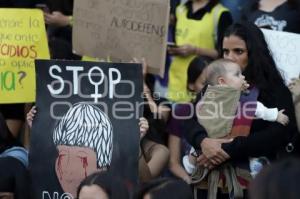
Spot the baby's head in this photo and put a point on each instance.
(196, 77)
(225, 72)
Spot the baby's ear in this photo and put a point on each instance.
(221, 80)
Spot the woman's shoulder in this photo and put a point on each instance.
(276, 94)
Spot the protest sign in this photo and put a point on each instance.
(286, 53)
(22, 39)
(87, 120)
(122, 30)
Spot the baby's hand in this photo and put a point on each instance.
(245, 86)
(282, 118)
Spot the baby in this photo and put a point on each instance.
(225, 73)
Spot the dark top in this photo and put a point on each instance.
(224, 21)
(265, 139)
(175, 124)
(6, 139)
(285, 17)
(13, 111)
(18, 3)
(14, 177)
(157, 126)
(64, 6)
(235, 7)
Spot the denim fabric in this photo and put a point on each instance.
(19, 153)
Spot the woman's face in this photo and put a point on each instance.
(235, 49)
(92, 192)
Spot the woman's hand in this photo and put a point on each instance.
(144, 126)
(184, 50)
(212, 150)
(202, 160)
(30, 116)
(57, 18)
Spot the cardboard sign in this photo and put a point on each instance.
(87, 120)
(122, 30)
(22, 39)
(286, 53)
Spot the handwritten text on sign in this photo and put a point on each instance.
(22, 39)
(122, 30)
(285, 50)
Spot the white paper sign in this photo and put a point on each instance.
(285, 48)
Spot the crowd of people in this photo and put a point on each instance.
(220, 56)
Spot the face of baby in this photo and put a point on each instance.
(233, 76)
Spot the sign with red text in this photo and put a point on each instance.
(286, 53)
(122, 30)
(22, 39)
(87, 120)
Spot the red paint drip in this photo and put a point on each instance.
(84, 164)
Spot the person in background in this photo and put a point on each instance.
(154, 155)
(280, 15)
(102, 185)
(176, 142)
(161, 83)
(14, 177)
(59, 20)
(164, 188)
(199, 24)
(235, 7)
(279, 180)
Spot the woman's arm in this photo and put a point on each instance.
(56, 18)
(266, 137)
(175, 166)
(187, 49)
(211, 149)
(194, 132)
